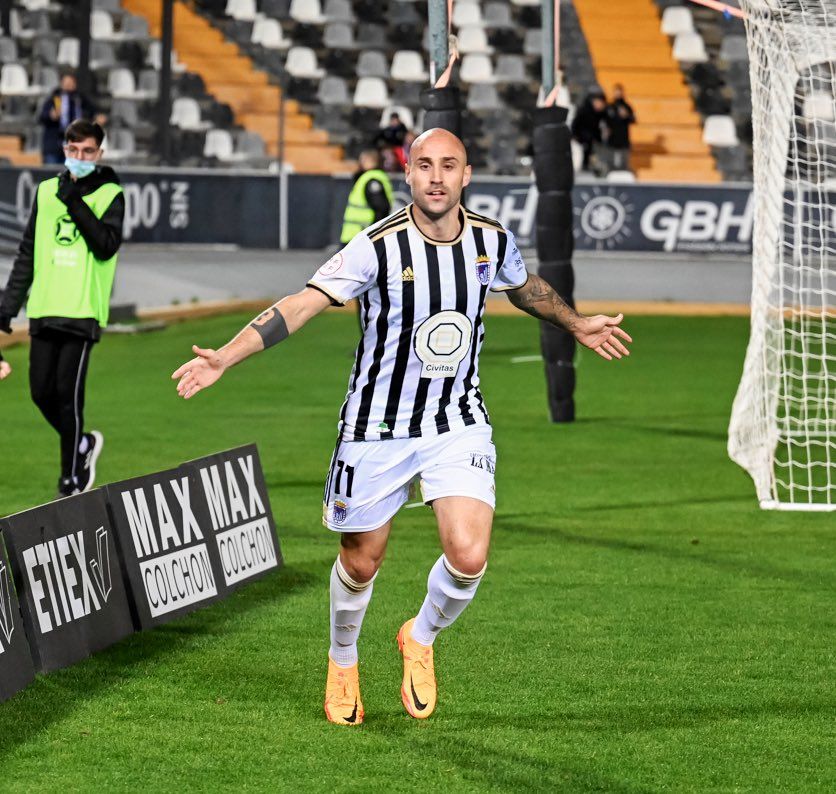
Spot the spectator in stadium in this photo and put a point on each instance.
(393, 133)
(619, 117)
(413, 407)
(63, 106)
(66, 262)
(587, 126)
(370, 199)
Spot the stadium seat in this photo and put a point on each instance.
(154, 57)
(510, 69)
(113, 6)
(689, 48)
(497, 16)
(243, 10)
(372, 64)
(371, 92)
(473, 40)
(719, 131)
(621, 177)
(733, 49)
(308, 12)
(8, 50)
(371, 37)
(467, 14)
(185, 114)
(270, 34)
(68, 51)
(476, 69)
(533, 42)
(14, 81)
(818, 106)
(134, 27)
(149, 84)
(119, 144)
(408, 66)
(333, 91)
(339, 11)
(101, 26)
(404, 112)
(339, 36)
(121, 84)
(219, 144)
(102, 55)
(301, 62)
(676, 20)
(483, 98)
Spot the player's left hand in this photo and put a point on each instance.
(603, 335)
(5, 370)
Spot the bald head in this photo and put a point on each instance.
(440, 142)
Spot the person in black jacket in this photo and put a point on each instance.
(619, 117)
(587, 125)
(67, 258)
(61, 108)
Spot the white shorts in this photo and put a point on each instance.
(369, 480)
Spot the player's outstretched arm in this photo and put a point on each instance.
(600, 333)
(272, 326)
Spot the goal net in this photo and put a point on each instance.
(783, 423)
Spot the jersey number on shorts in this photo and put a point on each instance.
(349, 478)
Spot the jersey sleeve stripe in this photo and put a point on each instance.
(335, 301)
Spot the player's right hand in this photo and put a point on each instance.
(199, 373)
(5, 370)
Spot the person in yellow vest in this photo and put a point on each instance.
(66, 263)
(370, 199)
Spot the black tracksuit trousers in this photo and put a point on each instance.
(57, 374)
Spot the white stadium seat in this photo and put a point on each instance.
(689, 48)
(720, 131)
(242, 10)
(408, 66)
(676, 20)
(68, 51)
(819, 107)
(473, 39)
(185, 114)
(269, 34)
(301, 62)
(14, 81)
(371, 92)
(403, 112)
(308, 12)
(465, 14)
(477, 68)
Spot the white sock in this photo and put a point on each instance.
(448, 592)
(349, 600)
(84, 444)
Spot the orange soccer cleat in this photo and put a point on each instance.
(343, 705)
(418, 691)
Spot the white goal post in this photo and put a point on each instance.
(783, 423)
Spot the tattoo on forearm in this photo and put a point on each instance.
(538, 299)
(271, 327)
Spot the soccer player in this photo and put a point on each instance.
(413, 405)
(66, 262)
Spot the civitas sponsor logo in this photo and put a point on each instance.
(603, 218)
(239, 518)
(7, 625)
(173, 557)
(64, 584)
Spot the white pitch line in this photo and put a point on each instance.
(525, 359)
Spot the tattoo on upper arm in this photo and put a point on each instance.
(271, 327)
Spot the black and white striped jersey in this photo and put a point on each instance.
(416, 371)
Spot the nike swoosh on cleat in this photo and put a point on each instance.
(418, 704)
(353, 717)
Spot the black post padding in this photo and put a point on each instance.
(442, 108)
(554, 176)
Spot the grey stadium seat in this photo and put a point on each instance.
(372, 64)
(333, 91)
(339, 36)
(483, 97)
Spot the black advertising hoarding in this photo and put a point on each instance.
(241, 521)
(16, 670)
(169, 557)
(68, 579)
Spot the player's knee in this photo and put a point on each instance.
(361, 564)
(468, 560)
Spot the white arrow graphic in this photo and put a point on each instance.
(100, 568)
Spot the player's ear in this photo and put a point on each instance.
(407, 174)
(468, 172)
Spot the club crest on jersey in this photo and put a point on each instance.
(483, 269)
(340, 512)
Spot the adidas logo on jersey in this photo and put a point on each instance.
(407, 274)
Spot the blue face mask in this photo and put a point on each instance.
(79, 168)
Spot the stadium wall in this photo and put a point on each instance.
(242, 208)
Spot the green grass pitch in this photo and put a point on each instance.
(642, 627)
